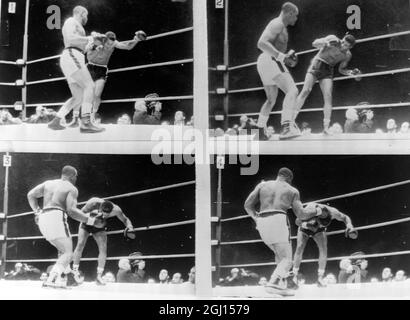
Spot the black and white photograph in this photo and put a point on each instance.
(312, 227)
(108, 227)
(314, 75)
(189, 151)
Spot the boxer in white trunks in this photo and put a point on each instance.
(59, 200)
(274, 198)
(72, 63)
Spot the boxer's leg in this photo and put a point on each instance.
(310, 80)
(302, 239)
(101, 240)
(99, 88)
(65, 249)
(321, 241)
(78, 252)
(283, 253)
(326, 85)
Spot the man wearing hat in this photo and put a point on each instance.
(148, 110)
(138, 267)
(316, 228)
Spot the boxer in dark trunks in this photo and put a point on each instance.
(106, 210)
(332, 51)
(98, 58)
(316, 228)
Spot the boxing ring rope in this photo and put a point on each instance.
(384, 36)
(145, 66)
(160, 35)
(124, 195)
(331, 233)
(8, 62)
(364, 256)
(342, 196)
(365, 106)
(166, 256)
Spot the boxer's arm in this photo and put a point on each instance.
(89, 206)
(71, 206)
(326, 41)
(343, 66)
(300, 212)
(268, 36)
(71, 34)
(251, 202)
(33, 195)
(339, 216)
(126, 45)
(122, 217)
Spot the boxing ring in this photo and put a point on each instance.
(30, 289)
(309, 143)
(15, 136)
(396, 290)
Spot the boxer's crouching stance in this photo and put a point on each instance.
(105, 210)
(316, 228)
(275, 198)
(59, 199)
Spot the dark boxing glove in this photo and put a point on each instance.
(141, 35)
(129, 234)
(351, 233)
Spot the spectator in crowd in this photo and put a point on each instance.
(191, 275)
(23, 271)
(218, 132)
(109, 277)
(263, 281)
(246, 125)
(179, 118)
(151, 280)
(234, 279)
(400, 276)
(124, 274)
(336, 128)
(139, 270)
(305, 128)
(391, 126)
(366, 123)
(163, 276)
(231, 132)
(353, 269)
(177, 278)
(7, 118)
(374, 280)
(404, 128)
(42, 115)
(165, 123)
(124, 119)
(387, 275)
(379, 131)
(330, 279)
(346, 270)
(352, 121)
(43, 276)
(147, 112)
(270, 131)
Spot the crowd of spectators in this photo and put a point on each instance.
(147, 111)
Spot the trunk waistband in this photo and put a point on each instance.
(270, 213)
(74, 48)
(51, 209)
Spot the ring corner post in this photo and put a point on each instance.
(4, 221)
(25, 56)
(226, 98)
(203, 260)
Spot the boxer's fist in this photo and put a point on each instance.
(140, 35)
(291, 59)
(356, 72)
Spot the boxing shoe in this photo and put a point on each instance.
(72, 280)
(321, 282)
(289, 130)
(87, 126)
(279, 287)
(55, 124)
(99, 280)
(292, 282)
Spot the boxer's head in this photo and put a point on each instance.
(81, 14)
(348, 42)
(286, 174)
(111, 37)
(69, 173)
(107, 207)
(289, 13)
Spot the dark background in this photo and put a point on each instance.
(317, 18)
(124, 17)
(319, 177)
(102, 176)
